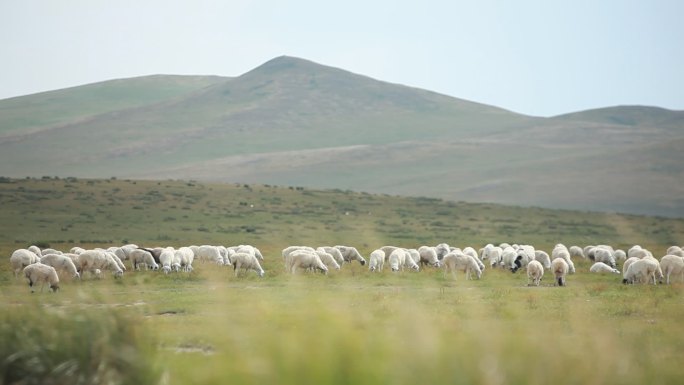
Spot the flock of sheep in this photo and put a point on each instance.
(638, 264)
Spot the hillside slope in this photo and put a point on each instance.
(294, 122)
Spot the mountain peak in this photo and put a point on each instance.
(284, 63)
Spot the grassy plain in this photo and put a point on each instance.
(349, 326)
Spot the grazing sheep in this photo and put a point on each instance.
(376, 260)
(246, 261)
(185, 256)
(35, 250)
(560, 268)
(562, 252)
(409, 262)
(605, 255)
(523, 256)
(458, 261)
(37, 272)
(638, 252)
(396, 259)
(675, 250)
(672, 265)
(140, 257)
(576, 252)
(350, 254)
(600, 267)
(76, 250)
(92, 260)
(327, 258)
(116, 259)
(335, 253)
(415, 255)
(249, 249)
(47, 251)
(21, 258)
(428, 256)
(61, 263)
(543, 258)
(493, 254)
(471, 251)
(209, 253)
(628, 261)
(166, 259)
(287, 252)
(620, 255)
(304, 259)
(508, 257)
(389, 249)
(442, 249)
(535, 272)
(641, 271)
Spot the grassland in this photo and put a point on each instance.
(350, 326)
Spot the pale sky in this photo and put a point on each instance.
(537, 57)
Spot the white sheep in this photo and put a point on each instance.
(471, 251)
(641, 271)
(396, 259)
(116, 259)
(246, 261)
(493, 254)
(543, 258)
(562, 252)
(576, 252)
(675, 250)
(209, 253)
(605, 255)
(21, 258)
(335, 253)
(620, 255)
(304, 259)
(35, 250)
(628, 261)
(560, 268)
(61, 263)
(409, 262)
(76, 250)
(508, 257)
(185, 256)
(287, 253)
(249, 249)
(37, 272)
(415, 255)
(376, 260)
(535, 272)
(458, 261)
(48, 250)
(672, 264)
(166, 259)
(350, 254)
(92, 260)
(428, 256)
(327, 258)
(442, 249)
(601, 268)
(142, 257)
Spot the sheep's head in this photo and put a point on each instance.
(415, 267)
(362, 261)
(372, 268)
(436, 264)
(54, 287)
(261, 273)
(395, 268)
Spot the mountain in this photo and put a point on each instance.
(295, 122)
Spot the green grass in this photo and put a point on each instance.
(350, 326)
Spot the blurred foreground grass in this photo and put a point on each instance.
(357, 328)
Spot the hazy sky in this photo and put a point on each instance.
(542, 57)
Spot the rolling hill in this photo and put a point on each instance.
(298, 123)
